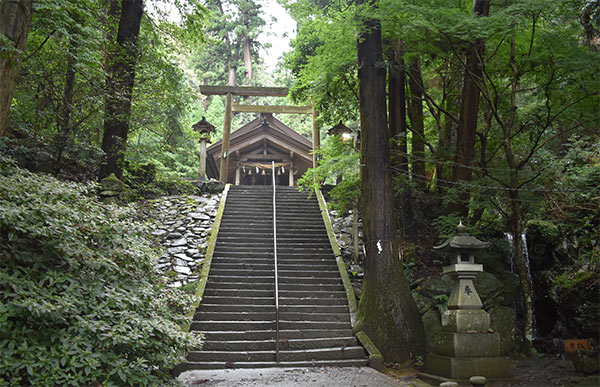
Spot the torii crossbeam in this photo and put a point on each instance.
(250, 91)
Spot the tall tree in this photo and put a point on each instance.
(233, 30)
(397, 102)
(121, 60)
(469, 109)
(415, 113)
(387, 311)
(15, 18)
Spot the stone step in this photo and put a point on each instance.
(267, 238)
(268, 264)
(298, 255)
(335, 353)
(255, 272)
(306, 245)
(271, 293)
(295, 364)
(283, 224)
(239, 208)
(271, 286)
(268, 300)
(267, 232)
(312, 334)
(282, 280)
(239, 315)
(205, 326)
(231, 308)
(285, 344)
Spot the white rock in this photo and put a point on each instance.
(183, 270)
(179, 242)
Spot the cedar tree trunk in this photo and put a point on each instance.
(121, 60)
(247, 59)
(387, 312)
(397, 104)
(15, 18)
(469, 109)
(64, 118)
(415, 113)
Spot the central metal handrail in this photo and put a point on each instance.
(275, 258)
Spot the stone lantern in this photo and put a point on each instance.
(205, 129)
(466, 346)
(343, 130)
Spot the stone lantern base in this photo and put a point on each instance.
(466, 347)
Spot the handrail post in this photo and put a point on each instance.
(275, 259)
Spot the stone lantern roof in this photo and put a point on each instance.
(462, 241)
(205, 128)
(339, 128)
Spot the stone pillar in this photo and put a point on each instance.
(202, 172)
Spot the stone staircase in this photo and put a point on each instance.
(237, 313)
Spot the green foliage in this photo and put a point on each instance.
(339, 162)
(446, 226)
(82, 303)
(145, 181)
(440, 301)
(323, 59)
(228, 25)
(80, 160)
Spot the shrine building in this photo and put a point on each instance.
(254, 147)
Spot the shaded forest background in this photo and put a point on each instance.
(492, 115)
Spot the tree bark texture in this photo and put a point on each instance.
(64, 118)
(387, 312)
(15, 19)
(415, 113)
(469, 109)
(247, 59)
(397, 105)
(121, 60)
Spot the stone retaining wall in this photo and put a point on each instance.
(183, 227)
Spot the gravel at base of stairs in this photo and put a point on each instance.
(304, 377)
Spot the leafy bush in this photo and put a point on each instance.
(339, 162)
(82, 303)
(78, 161)
(145, 181)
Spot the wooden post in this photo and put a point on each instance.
(291, 171)
(226, 136)
(316, 137)
(202, 172)
(237, 174)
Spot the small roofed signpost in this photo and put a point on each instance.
(205, 129)
(466, 346)
(250, 91)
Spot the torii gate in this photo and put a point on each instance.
(249, 91)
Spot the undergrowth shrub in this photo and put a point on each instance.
(145, 181)
(81, 301)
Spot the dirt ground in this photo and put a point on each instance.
(545, 371)
(542, 371)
